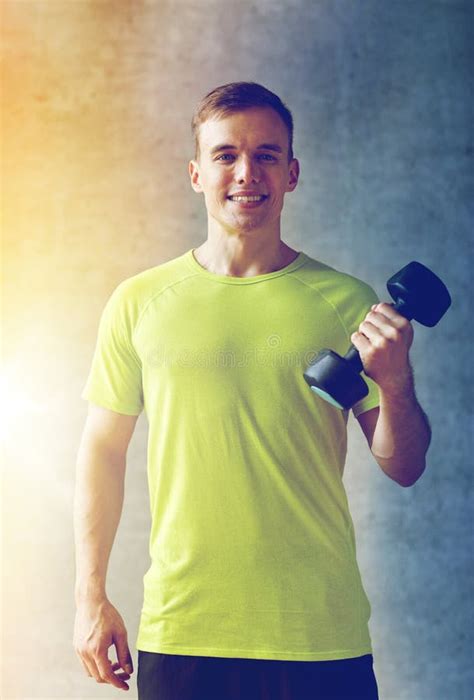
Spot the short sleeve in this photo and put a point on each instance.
(372, 399)
(354, 313)
(115, 376)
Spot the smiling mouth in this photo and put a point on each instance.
(241, 199)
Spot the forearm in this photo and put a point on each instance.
(98, 501)
(402, 435)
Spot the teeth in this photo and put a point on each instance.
(255, 198)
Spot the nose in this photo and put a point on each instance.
(247, 171)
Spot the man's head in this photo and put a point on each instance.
(243, 149)
(238, 97)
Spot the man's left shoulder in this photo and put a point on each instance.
(335, 283)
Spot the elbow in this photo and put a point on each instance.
(410, 476)
(403, 474)
(406, 483)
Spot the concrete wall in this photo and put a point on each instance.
(96, 107)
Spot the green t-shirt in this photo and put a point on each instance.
(252, 546)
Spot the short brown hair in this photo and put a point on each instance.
(237, 97)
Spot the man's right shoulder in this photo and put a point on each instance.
(132, 295)
(144, 285)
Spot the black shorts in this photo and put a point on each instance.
(176, 677)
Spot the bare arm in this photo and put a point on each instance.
(98, 500)
(398, 432)
(399, 436)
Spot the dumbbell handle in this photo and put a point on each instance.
(352, 355)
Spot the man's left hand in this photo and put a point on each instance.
(383, 341)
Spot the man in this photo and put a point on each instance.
(254, 589)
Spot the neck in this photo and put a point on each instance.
(237, 258)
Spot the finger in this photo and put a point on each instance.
(389, 312)
(377, 327)
(360, 342)
(91, 667)
(124, 674)
(123, 654)
(85, 667)
(377, 335)
(107, 675)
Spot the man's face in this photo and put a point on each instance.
(246, 152)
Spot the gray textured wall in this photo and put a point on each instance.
(96, 108)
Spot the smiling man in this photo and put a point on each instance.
(253, 590)
(244, 168)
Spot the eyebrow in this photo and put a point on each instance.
(263, 146)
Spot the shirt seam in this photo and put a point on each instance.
(154, 296)
(234, 651)
(194, 273)
(112, 405)
(221, 279)
(374, 398)
(341, 321)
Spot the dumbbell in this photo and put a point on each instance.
(418, 294)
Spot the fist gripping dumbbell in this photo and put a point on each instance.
(418, 294)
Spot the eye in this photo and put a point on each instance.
(227, 157)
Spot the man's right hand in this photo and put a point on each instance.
(98, 625)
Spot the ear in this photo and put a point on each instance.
(194, 175)
(293, 175)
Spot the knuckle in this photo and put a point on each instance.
(370, 353)
(103, 676)
(97, 650)
(82, 652)
(393, 334)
